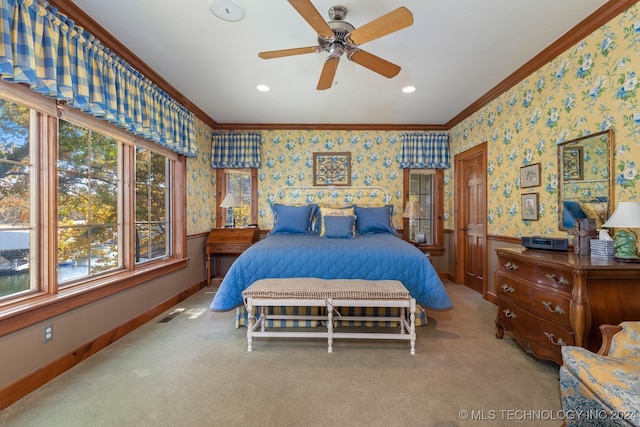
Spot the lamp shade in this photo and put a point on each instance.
(412, 210)
(626, 215)
(229, 201)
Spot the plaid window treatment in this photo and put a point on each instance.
(236, 150)
(425, 151)
(44, 49)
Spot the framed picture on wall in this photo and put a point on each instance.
(572, 164)
(332, 169)
(530, 175)
(530, 206)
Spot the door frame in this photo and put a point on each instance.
(460, 206)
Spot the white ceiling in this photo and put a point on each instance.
(455, 52)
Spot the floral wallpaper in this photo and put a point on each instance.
(287, 160)
(591, 87)
(201, 184)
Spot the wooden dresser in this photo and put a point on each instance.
(550, 299)
(228, 241)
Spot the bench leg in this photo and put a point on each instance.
(330, 324)
(412, 326)
(264, 312)
(251, 318)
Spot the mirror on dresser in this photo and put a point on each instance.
(585, 179)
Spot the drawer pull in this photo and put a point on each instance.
(507, 288)
(510, 266)
(560, 281)
(510, 314)
(557, 310)
(551, 338)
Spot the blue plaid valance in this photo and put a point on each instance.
(427, 150)
(44, 49)
(236, 150)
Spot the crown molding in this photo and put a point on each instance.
(601, 16)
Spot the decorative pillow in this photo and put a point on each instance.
(339, 227)
(348, 211)
(374, 220)
(292, 219)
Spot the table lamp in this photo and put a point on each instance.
(412, 211)
(626, 215)
(230, 202)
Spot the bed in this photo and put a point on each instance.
(346, 242)
(371, 257)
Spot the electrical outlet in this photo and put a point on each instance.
(47, 333)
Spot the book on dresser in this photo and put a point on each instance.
(550, 299)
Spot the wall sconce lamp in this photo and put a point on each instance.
(626, 215)
(230, 202)
(413, 211)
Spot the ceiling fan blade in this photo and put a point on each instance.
(386, 24)
(374, 63)
(313, 17)
(289, 52)
(328, 72)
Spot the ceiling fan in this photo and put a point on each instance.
(338, 37)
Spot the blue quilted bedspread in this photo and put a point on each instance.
(371, 257)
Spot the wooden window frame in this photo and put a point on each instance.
(437, 203)
(221, 190)
(48, 300)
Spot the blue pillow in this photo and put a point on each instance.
(292, 219)
(374, 220)
(338, 227)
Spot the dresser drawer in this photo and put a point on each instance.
(545, 275)
(551, 305)
(536, 335)
(229, 248)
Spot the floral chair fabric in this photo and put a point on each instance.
(603, 390)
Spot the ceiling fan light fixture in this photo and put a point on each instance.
(338, 37)
(263, 88)
(336, 49)
(409, 89)
(228, 10)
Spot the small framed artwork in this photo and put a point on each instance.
(332, 169)
(572, 164)
(530, 176)
(530, 206)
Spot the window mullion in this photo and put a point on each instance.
(128, 232)
(47, 203)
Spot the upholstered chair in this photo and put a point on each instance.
(603, 389)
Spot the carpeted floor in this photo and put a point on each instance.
(192, 368)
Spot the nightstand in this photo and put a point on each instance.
(227, 241)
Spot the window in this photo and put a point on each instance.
(83, 206)
(89, 203)
(17, 186)
(242, 183)
(152, 206)
(425, 186)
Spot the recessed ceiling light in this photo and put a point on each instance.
(263, 88)
(408, 89)
(229, 10)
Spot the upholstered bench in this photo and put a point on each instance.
(328, 293)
